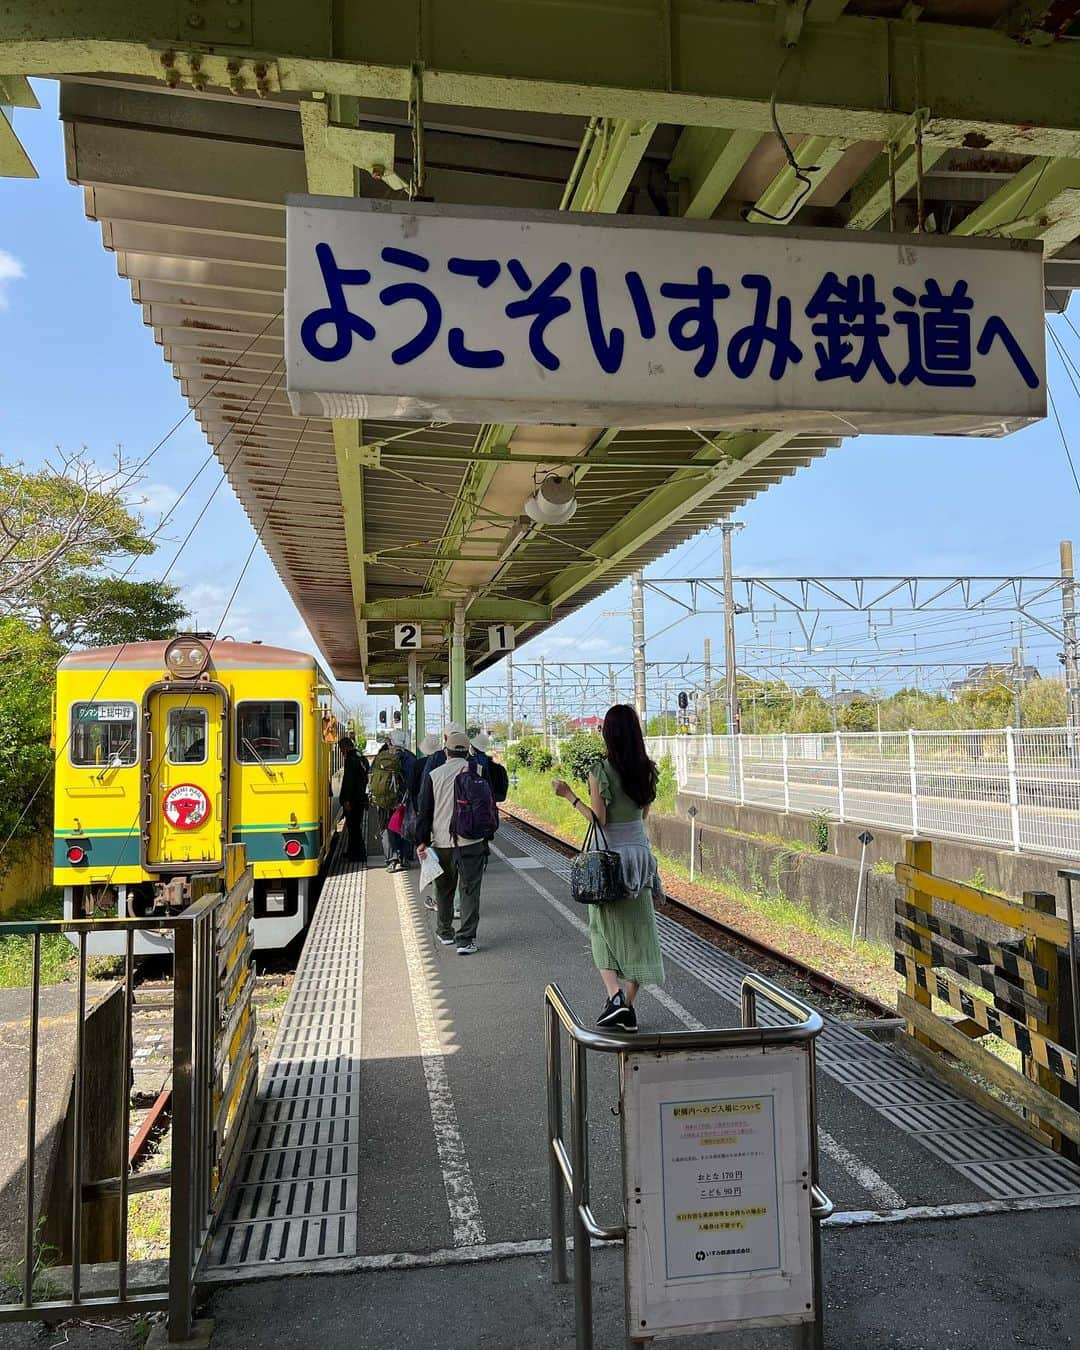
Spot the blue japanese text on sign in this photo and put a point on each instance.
(398, 310)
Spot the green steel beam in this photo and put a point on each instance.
(709, 161)
(617, 146)
(719, 465)
(491, 437)
(348, 435)
(15, 92)
(502, 455)
(1042, 201)
(870, 197)
(787, 193)
(677, 61)
(431, 609)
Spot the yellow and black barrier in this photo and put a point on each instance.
(999, 991)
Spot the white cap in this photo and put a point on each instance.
(397, 737)
(455, 739)
(481, 741)
(453, 726)
(429, 744)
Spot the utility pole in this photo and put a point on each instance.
(509, 697)
(832, 701)
(637, 622)
(613, 688)
(665, 701)
(1068, 628)
(727, 527)
(707, 728)
(543, 703)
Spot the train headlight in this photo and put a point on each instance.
(186, 657)
(293, 848)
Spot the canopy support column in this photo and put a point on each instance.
(457, 666)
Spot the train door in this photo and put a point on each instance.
(185, 799)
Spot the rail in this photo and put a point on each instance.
(213, 1076)
(569, 1170)
(1009, 789)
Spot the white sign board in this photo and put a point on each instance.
(464, 314)
(718, 1191)
(500, 638)
(407, 637)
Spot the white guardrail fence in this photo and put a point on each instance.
(1018, 790)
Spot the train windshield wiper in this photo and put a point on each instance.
(258, 758)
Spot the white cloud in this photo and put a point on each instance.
(154, 498)
(11, 269)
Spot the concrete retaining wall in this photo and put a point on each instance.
(823, 884)
(26, 877)
(976, 864)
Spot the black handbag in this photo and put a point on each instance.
(596, 872)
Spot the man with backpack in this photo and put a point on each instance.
(353, 798)
(457, 817)
(387, 789)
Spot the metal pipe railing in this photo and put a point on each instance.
(191, 1176)
(569, 1171)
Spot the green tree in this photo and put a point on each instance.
(1043, 703)
(858, 715)
(26, 665)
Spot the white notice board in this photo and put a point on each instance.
(717, 1165)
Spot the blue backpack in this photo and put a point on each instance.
(474, 814)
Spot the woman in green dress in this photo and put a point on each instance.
(622, 787)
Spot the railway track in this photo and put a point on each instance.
(843, 1000)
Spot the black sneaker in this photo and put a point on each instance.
(618, 1014)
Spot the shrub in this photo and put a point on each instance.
(526, 748)
(578, 754)
(820, 823)
(665, 786)
(543, 761)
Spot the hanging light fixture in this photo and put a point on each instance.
(553, 502)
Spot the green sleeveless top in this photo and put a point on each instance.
(620, 807)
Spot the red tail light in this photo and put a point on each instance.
(293, 848)
(76, 855)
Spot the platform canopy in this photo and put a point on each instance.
(189, 122)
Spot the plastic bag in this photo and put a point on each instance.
(430, 868)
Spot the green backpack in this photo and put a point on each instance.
(387, 785)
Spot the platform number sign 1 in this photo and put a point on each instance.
(500, 638)
(407, 637)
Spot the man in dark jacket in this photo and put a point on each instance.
(353, 798)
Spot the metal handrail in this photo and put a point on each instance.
(195, 1022)
(570, 1169)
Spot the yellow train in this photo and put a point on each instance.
(166, 753)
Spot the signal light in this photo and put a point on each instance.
(76, 855)
(293, 848)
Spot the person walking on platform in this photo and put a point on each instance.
(429, 746)
(457, 819)
(625, 945)
(353, 798)
(388, 787)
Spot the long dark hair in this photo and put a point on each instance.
(627, 754)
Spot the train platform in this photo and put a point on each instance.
(398, 1145)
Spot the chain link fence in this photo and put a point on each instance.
(1018, 790)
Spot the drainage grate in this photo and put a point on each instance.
(1004, 1162)
(295, 1193)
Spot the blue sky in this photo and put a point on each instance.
(80, 369)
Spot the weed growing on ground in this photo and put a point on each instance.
(820, 824)
(883, 868)
(17, 953)
(45, 1257)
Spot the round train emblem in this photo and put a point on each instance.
(185, 806)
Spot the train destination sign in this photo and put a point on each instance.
(422, 311)
(717, 1147)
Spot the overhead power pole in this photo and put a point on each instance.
(727, 528)
(1068, 629)
(637, 620)
(613, 688)
(707, 726)
(509, 696)
(543, 703)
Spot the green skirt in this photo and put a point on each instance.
(624, 938)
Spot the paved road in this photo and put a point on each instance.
(1041, 828)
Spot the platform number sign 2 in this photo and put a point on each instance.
(500, 638)
(407, 637)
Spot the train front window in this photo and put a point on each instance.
(268, 732)
(103, 734)
(187, 735)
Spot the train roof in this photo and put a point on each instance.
(224, 655)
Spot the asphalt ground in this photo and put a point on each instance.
(487, 1011)
(991, 1283)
